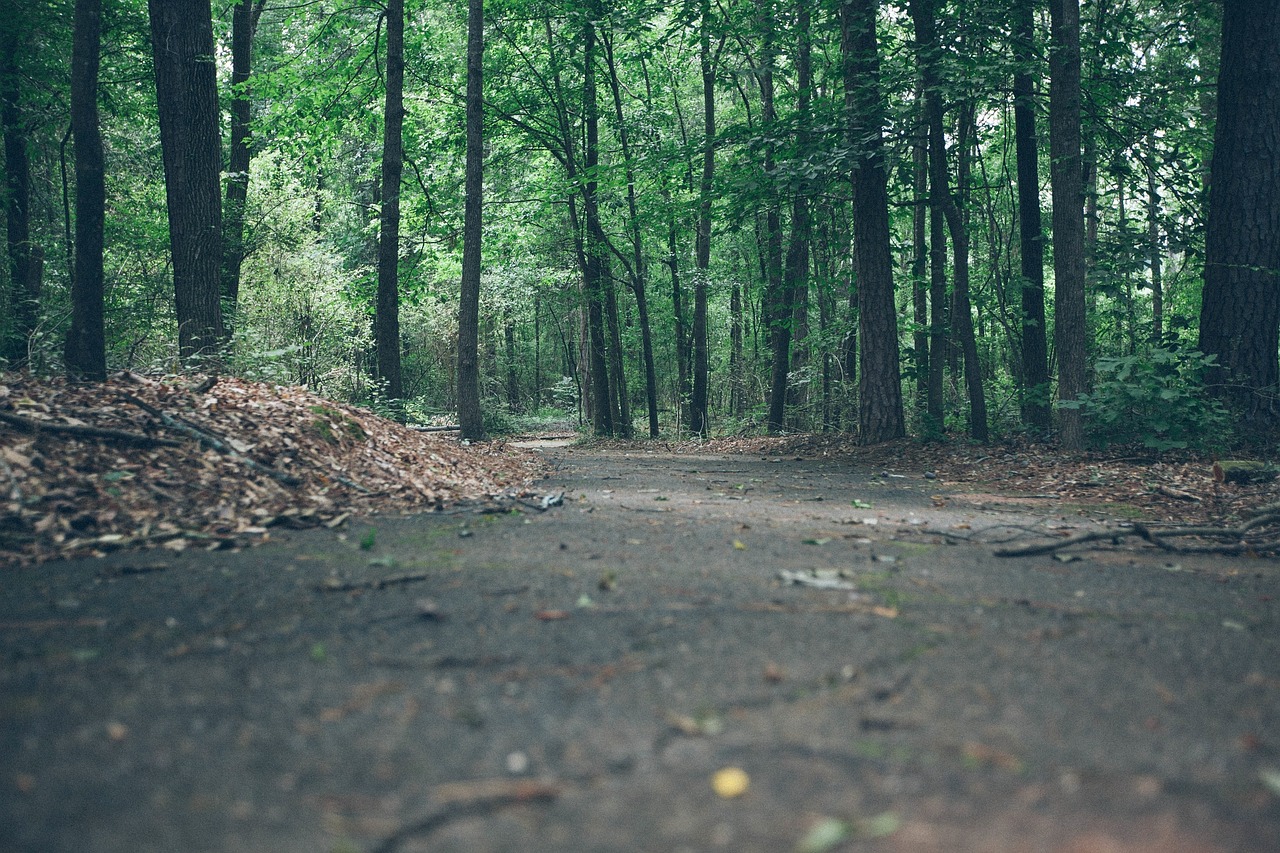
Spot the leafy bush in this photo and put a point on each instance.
(1157, 399)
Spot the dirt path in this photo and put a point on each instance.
(574, 679)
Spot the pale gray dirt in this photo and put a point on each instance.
(572, 679)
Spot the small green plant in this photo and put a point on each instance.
(1156, 399)
(330, 419)
(369, 539)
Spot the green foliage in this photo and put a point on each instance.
(1157, 399)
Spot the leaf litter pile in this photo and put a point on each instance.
(186, 462)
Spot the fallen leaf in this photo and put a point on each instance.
(551, 615)
(730, 782)
(825, 834)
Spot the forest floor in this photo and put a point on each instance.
(749, 645)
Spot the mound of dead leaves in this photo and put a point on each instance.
(179, 462)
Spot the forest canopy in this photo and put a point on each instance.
(928, 216)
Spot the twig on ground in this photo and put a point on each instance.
(335, 585)
(1249, 536)
(209, 441)
(472, 799)
(35, 426)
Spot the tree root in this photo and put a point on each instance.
(1257, 535)
(118, 435)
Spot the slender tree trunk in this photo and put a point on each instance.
(386, 323)
(737, 399)
(1156, 254)
(187, 101)
(86, 355)
(617, 371)
(1036, 412)
(639, 274)
(1066, 176)
(698, 421)
(470, 417)
(880, 416)
(1240, 308)
(920, 264)
(683, 387)
(604, 405)
(778, 294)
(513, 376)
(244, 20)
(797, 268)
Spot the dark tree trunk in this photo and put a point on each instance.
(1240, 310)
(920, 266)
(880, 416)
(513, 376)
(797, 269)
(1067, 178)
(778, 294)
(940, 197)
(603, 404)
(1036, 410)
(698, 422)
(737, 399)
(86, 355)
(639, 270)
(1156, 254)
(617, 370)
(683, 388)
(187, 101)
(24, 284)
(244, 20)
(386, 321)
(470, 417)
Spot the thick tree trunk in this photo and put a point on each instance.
(244, 20)
(470, 417)
(386, 322)
(1067, 178)
(1240, 310)
(24, 284)
(880, 416)
(698, 421)
(187, 102)
(86, 355)
(920, 265)
(1036, 412)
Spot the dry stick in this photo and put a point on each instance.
(334, 585)
(1159, 539)
(209, 441)
(30, 425)
(1057, 545)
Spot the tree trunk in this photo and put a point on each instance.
(737, 399)
(24, 285)
(1240, 309)
(244, 20)
(683, 388)
(470, 418)
(1036, 410)
(187, 102)
(777, 294)
(386, 322)
(639, 274)
(1067, 178)
(920, 264)
(880, 416)
(698, 422)
(797, 268)
(86, 355)
(603, 404)
(1156, 254)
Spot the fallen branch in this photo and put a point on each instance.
(335, 585)
(1252, 535)
(35, 426)
(209, 441)
(471, 799)
(434, 428)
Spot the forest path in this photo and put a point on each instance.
(574, 679)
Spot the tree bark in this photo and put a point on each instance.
(1036, 410)
(880, 416)
(639, 270)
(1067, 178)
(698, 420)
(244, 21)
(1156, 254)
(470, 418)
(797, 266)
(778, 294)
(86, 355)
(920, 265)
(603, 403)
(386, 322)
(187, 102)
(1240, 309)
